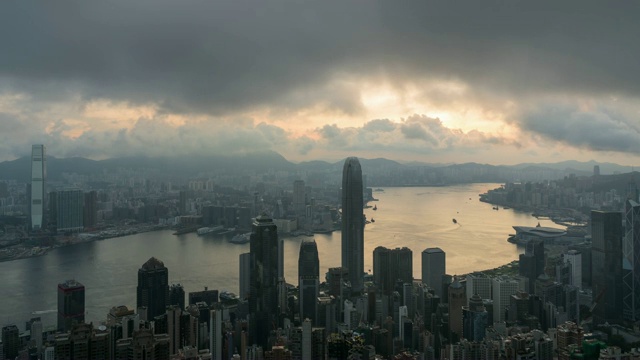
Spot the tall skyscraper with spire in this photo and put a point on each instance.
(37, 187)
(353, 223)
(265, 262)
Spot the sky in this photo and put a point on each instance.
(498, 82)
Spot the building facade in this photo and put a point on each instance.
(308, 280)
(265, 250)
(631, 262)
(153, 288)
(391, 265)
(37, 187)
(70, 210)
(353, 223)
(606, 262)
(71, 299)
(433, 269)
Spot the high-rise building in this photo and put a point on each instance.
(308, 280)
(215, 333)
(631, 261)
(532, 262)
(457, 300)
(70, 304)
(573, 258)
(208, 296)
(153, 288)
(90, 209)
(606, 262)
(83, 341)
(69, 210)
(299, 198)
(475, 319)
(391, 265)
(143, 345)
(433, 268)
(10, 342)
(353, 223)
(265, 270)
(38, 186)
(503, 288)
(177, 295)
(245, 275)
(479, 283)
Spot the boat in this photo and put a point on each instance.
(208, 230)
(506, 207)
(241, 238)
(227, 296)
(183, 230)
(455, 221)
(375, 207)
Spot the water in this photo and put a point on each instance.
(418, 218)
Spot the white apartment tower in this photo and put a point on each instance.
(503, 288)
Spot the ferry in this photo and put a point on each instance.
(208, 230)
(227, 296)
(241, 238)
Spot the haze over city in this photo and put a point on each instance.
(439, 82)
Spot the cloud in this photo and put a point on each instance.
(598, 128)
(226, 56)
(155, 76)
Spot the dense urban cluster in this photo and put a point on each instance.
(580, 302)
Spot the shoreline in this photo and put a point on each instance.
(23, 252)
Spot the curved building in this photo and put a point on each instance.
(353, 223)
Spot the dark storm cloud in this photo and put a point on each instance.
(227, 56)
(597, 129)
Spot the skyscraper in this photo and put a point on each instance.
(503, 288)
(245, 275)
(299, 200)
(153, 288)
(433, 268)
(265, 270)
(631, 261)
(38, 183)
(457, 300)
(573, 258)
(606, 262)
(532, 262)
(475, 319)
(353, 223)
(90, 215)
(308, 280)
(10, 342)
(70, 304)
(391, 265)
(69, 210)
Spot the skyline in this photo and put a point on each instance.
(433, 82)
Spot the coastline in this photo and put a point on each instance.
(19, 252)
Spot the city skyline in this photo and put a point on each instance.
(434, 82)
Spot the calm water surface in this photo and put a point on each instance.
(417, 217)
